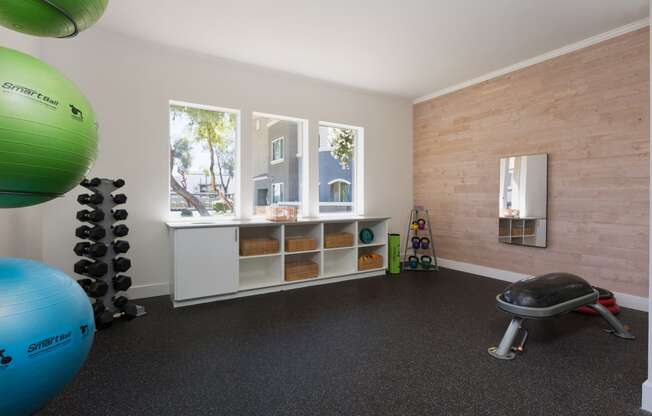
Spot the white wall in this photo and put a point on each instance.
(129, 84)
(20, 228)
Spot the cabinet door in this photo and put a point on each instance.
(205, 262)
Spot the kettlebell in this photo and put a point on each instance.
(416, 242)
(413, 261)
(426, 261)
(421, 223)
(414, 226)
(425, 242)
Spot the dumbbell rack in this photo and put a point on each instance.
(103, 260)
(416, 214)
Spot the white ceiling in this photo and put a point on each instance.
(408, 48)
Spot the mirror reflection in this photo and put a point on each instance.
(523, 200)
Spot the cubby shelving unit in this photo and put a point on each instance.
(211, 269)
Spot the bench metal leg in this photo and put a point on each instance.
(619, 329)
(504, 349)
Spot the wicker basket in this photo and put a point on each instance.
(370, 261)
(299, 270)
(300, 244)
(279, 213)
(258, 246)
(335, 240)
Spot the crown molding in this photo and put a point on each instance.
(631, 27)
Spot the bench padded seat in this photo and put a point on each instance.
(546, 290)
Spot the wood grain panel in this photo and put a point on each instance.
(589, 110)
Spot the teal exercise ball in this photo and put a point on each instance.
(46, 333)
(51, 18)
(48, 132)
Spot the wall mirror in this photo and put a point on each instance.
(523, 200)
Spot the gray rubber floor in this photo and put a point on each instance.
(412, 345)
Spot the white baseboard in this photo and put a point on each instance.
(148, 291)
(482, 270)
(646, 402)
(624, 299)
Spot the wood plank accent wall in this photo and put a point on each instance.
(589, 110)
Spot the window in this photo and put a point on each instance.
(339, 166)
(340, 190)
(277, 161)
(203, 160)
(278, 150)
(277, 192)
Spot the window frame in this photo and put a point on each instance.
(281, 187)
(357, 193)
(237, 175)
(303, 205)
(273, 161)
(339, 182)
(309, 148)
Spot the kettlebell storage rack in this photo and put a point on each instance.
(103, 262)
(419, 253)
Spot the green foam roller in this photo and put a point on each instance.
(51, 18)
(394, 249)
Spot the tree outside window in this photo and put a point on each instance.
(202, 160)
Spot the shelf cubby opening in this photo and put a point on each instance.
(249, 234)
(260, 272)
(300, 231)
(338, 228)
(380, 250)
(379, 230)
(340, 262)
(303, 258)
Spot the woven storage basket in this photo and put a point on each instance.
(335, 240)
(282, 213)
(300, 244)
(298, 270)
(370, 261)
(258, 246)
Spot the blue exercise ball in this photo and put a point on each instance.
(46, 333)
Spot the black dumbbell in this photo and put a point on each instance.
(97, 289)
(121, 282)
(120, 246)
(91, 268)
(85, 283)
(119, 183)
(119, 214)
(90, 199)
(90, 250)
(91, 183)
(120, 230)
(98, 308)
(95, 215)
(119, 198)
(121, 264)
(120, 302)
(130, 311)
(92, 233)
(103, 319)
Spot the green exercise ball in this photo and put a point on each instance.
(48, 134)
(51, 18)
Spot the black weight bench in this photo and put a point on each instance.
(544, 297)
